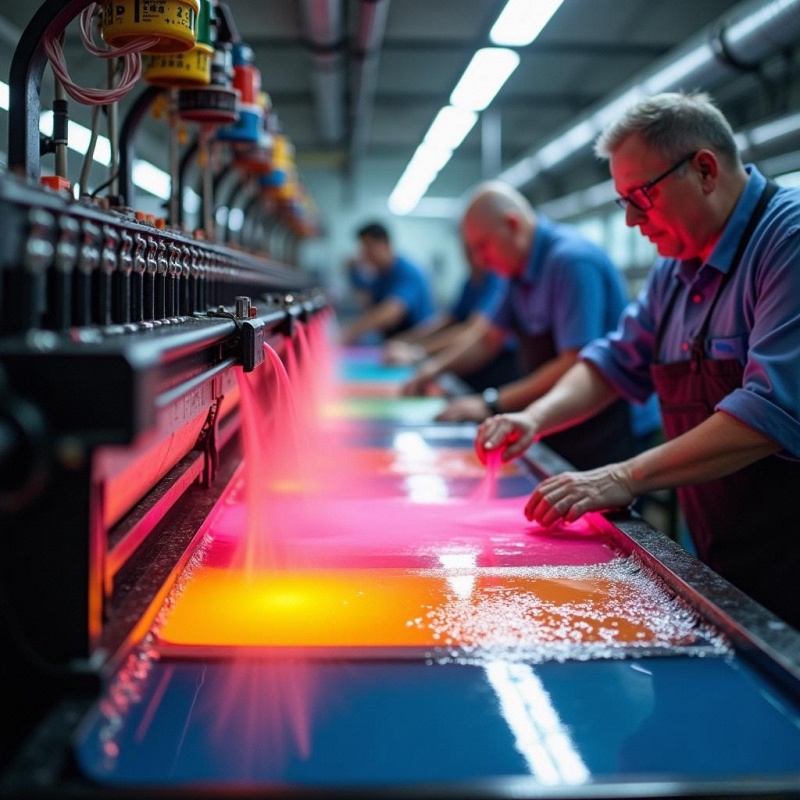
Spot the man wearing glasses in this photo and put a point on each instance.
(716, 333)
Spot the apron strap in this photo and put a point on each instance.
(662, 326)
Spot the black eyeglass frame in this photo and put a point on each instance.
(641, 191)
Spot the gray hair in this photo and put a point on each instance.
(673, 124)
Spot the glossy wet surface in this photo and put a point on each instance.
(386, 617)
(400, 724)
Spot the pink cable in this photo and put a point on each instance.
(130, 55)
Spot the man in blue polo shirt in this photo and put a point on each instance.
(563, 292)
(398, 290)
(716, 332)
(481, 295)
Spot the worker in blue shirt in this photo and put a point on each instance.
(480, 296)
(563, 292)
(716, 332)
(399, 294)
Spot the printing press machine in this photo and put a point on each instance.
(111, 429)
(119, 336)
(110, 514)
(118, 439)
(120, 423)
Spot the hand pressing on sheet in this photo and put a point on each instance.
(566, 497)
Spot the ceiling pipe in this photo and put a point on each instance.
(743, 38)
(322, 22)
(369, 39)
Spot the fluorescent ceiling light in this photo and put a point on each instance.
(489, 69)
(236, 219)
(401, 204)
(151, 179)
(424, 166)
(4, 102)
(428, 158)
(221, 215)
(521, 21)
(413, 182)
(191, 200)
(408, 192)
(450, 127)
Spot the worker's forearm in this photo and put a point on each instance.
(379, 318)
(717, 447)
(420, 334)
(444, 338)
(580, 393)
(473, 347)
(517, 395)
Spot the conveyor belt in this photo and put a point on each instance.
(414, 635)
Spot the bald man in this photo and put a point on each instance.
(563, 293)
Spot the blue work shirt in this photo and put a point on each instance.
(756, 320)
(362, 278)
(405, 281)
(483, 296)
(571, 288)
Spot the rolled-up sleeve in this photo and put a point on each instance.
(769, 400)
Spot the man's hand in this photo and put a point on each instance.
(567, 496)
(471, 408)
(418, 385)
(402, 353)
(513, 434)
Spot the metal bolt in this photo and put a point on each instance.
(242, 307)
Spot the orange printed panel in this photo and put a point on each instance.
(610, 604)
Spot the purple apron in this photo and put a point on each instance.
(745, 525)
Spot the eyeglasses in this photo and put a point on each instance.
(639, 198)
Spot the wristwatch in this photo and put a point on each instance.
(491, 397)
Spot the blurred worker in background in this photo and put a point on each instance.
(716, 332)
(481, 295)
(399, 296)
(563, 292)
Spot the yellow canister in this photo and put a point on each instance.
(172, 22)
(179, 70)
